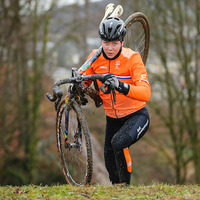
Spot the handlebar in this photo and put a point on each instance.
(77, 78)
(57, 93)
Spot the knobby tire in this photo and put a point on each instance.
(77, 167)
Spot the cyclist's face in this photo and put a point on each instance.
(112, 48)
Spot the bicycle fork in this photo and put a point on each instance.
(77, 134)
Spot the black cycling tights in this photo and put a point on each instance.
(121, 133)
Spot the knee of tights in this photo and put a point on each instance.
(116, 144)
(120, 142)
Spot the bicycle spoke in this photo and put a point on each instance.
(138, 34)
(136, 43)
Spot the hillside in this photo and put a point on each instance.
(155, 191)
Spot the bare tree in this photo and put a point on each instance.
(174, 72)
(175, 33)
(21, 87)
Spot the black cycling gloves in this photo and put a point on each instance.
(123, 88)
(111, 79)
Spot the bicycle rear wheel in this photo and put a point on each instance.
(76, 156)
(138, 34)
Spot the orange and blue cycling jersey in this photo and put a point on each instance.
(127, 67)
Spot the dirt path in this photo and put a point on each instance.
(100, 174)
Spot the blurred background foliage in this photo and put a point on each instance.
(40, 41)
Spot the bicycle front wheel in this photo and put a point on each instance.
(75, 155)
(138, 34)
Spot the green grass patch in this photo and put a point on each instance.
(154, 191)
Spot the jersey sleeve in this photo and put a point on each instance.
(140, 89)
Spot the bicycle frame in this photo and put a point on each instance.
(77, 143)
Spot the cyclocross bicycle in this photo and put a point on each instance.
(72, 134)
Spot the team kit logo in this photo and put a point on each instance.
(117, 63)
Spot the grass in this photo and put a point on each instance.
(154, 191)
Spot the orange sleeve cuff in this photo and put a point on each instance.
(141, 92)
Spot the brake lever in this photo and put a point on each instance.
(108, 90)
(104, 90)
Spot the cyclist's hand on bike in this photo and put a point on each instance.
(111, 80)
